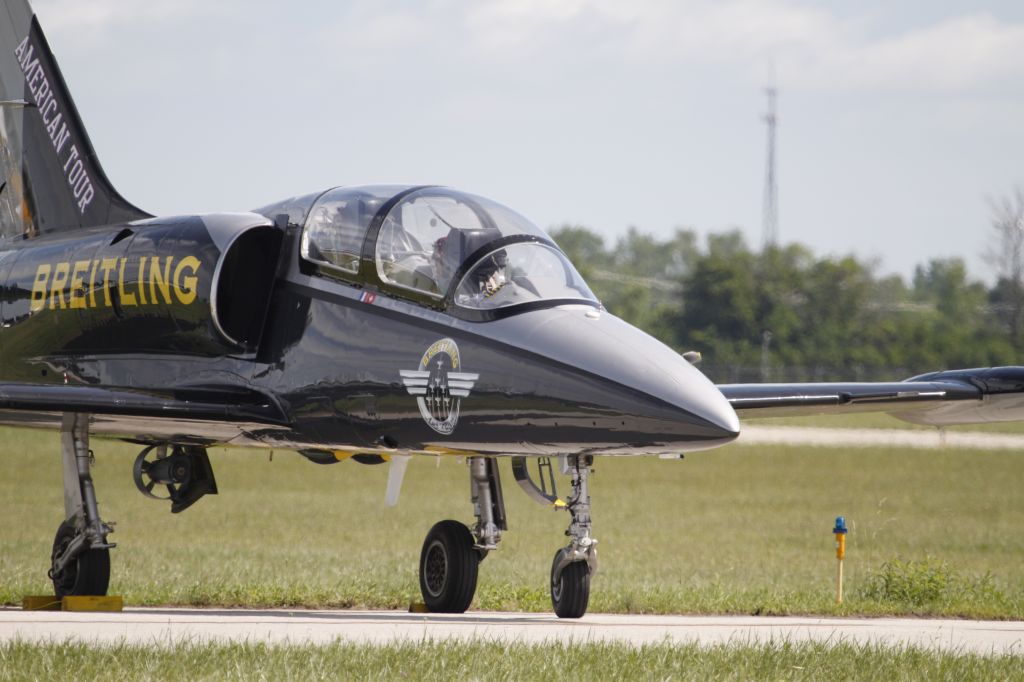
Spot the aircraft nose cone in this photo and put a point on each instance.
(704, 400)
(664, 404)
(699, 415)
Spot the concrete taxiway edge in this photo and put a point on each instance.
(167, 627)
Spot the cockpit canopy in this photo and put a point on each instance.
(439, 246)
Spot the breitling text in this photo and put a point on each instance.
(152, 280)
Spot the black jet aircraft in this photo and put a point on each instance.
(366, 323)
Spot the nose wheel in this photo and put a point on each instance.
(448, 568)
(570, 586)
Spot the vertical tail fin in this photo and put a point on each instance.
(50, 177)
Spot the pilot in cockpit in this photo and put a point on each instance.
(443, 249)
(451, 252)
(489, 275)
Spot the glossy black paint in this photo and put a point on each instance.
(341, 381)
(143, 288)
(133, 327)
(989, 380)
(253, 345)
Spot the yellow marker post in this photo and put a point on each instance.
(840, 533)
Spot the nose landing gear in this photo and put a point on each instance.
(574, 565)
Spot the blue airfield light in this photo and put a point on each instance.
(840, 533)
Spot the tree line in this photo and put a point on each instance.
(785, 314)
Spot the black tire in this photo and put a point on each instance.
(448, 568)
(571, 593)
(88, 575)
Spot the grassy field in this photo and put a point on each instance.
(744, 529)
(485, 661)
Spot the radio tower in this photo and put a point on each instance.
(770, 207)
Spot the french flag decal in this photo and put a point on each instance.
(367, 297)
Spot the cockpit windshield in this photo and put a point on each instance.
(435, 235)
(522, 272)
(439, 244)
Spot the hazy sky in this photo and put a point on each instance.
(897, 120)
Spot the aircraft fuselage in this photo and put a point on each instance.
(224, 305)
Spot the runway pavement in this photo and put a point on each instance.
(166, 627)
(932, 439)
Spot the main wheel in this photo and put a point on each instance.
(89, 574)
(448, 568)
(570, 594)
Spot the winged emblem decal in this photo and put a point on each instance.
(439, 385)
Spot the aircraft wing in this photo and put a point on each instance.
(969, 396)
(192, 403)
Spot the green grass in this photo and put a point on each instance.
(490, 661)
(740, 530)
(878, 420)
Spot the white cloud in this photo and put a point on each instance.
(86, 22)
(812, 47)
(963, 53)
(501, 25)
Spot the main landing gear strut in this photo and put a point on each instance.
(452, 552)
(80, 562)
